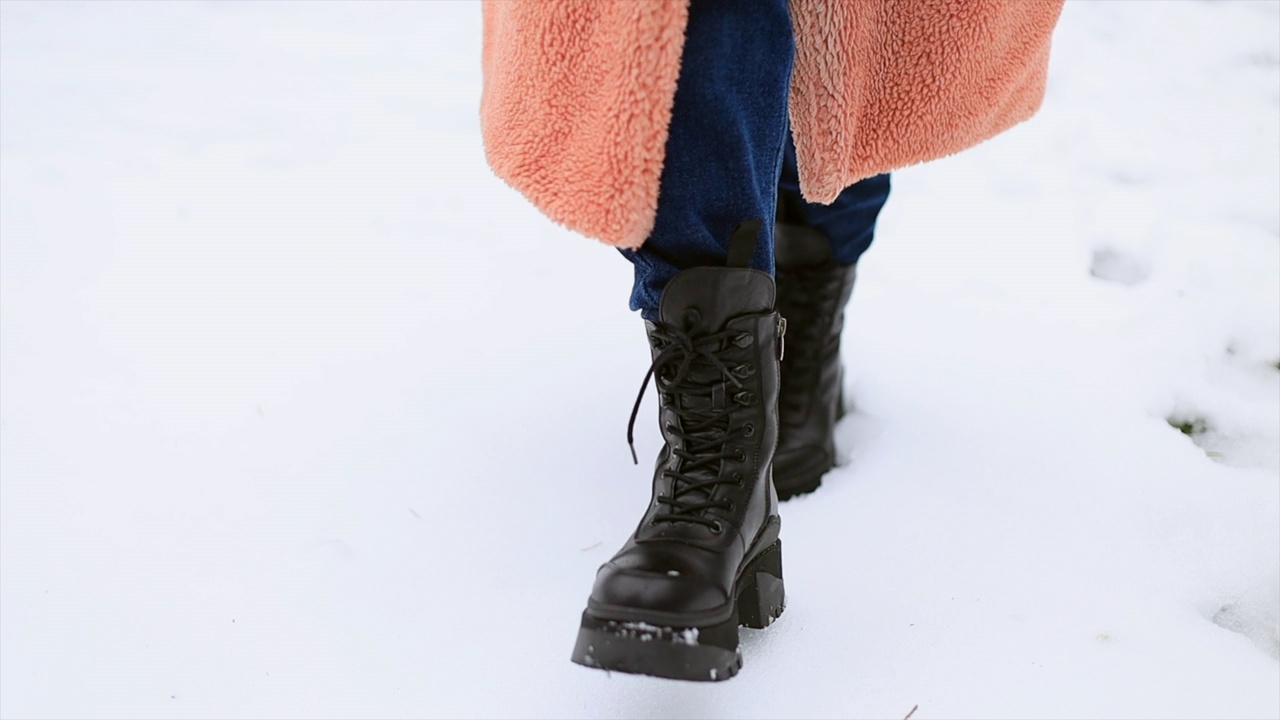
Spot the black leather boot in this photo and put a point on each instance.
(706, 556)
(812, 294)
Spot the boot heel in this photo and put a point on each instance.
(761, 598)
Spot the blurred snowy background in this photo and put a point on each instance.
(305, 414)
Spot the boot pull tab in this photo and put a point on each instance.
(742, 244)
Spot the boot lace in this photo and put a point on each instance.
(693, 373)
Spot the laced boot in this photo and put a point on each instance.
(706, 556)
(812, 294)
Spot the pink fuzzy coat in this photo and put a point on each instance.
(578, 94)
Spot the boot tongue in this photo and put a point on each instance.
(718, 295)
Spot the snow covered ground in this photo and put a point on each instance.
(305, 414)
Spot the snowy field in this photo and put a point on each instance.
(305, 414)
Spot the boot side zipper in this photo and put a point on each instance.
(782, 335)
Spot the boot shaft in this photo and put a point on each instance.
(716, 368)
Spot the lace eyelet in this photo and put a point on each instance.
(731, 507)
(717, 528)
(737, 479)
(742, 455)
(744, 340)
(748, 430)
(744, 397)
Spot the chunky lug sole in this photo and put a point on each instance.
(687, 651)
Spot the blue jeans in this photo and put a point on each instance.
(729, 152)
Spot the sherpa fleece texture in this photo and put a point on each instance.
(578, 94)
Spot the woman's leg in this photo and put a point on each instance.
(816, 248)
(724, 151)
(706, 555)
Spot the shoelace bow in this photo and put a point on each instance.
(691, 369)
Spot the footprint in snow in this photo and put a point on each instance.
(1253, 618)
(1119, 267)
